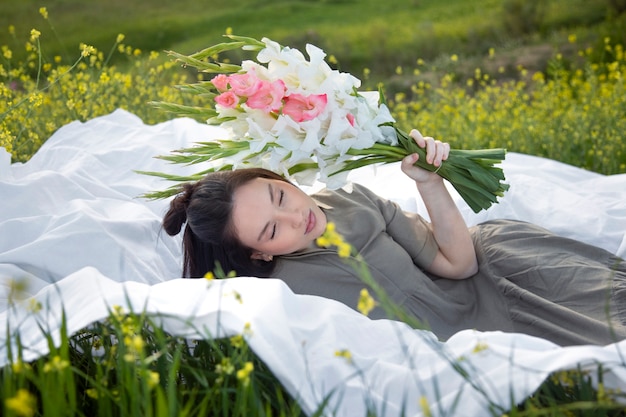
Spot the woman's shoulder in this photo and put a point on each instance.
(352, 192)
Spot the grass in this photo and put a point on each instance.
(126, 366)
(360, 33)
(557, 91)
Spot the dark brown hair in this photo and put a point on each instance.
(209, 239)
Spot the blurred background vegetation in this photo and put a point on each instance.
(543, 77)
(373, 34)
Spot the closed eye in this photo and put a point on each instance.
(280, 199)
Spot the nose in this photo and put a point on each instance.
(291, 218)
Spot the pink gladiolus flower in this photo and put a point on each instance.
(227, 99)
(221, 82)
(245, 85)
(350, 118)
(302, 108)
(269, 97)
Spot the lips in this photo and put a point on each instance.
(310, 222)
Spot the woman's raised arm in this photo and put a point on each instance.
(456, 258)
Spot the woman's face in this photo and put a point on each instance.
(274, 217)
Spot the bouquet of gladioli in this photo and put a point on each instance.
(300, 118)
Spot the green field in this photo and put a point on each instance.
(360, 33)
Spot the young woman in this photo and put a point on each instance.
(500, 275)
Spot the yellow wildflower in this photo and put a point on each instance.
(17, 289)
(332, 59)
(43, 12)
(454, 58)
(366, 302)
(244, 373)
(225, 367)
(86, 50)
(236, 341)
(23, 404)
(135, 343)
(229, 31)
(247, 329)
(92, 393)
(6, 52)
(343, 250)
(331, 238)
(34, 34)
(480, 346)
(209, 276)
(19, 366)
(323, 241)
(36, 99)
(153, 379)
(11, 30)
(120, 38)
(56, 365)
(344, 353)
(425, 406)
(117, 312)
(34, 306)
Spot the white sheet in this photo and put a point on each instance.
(71, 216)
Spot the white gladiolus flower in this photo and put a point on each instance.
(297, 116)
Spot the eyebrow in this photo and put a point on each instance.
(271, 191)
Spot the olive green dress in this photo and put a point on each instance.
(529, 280)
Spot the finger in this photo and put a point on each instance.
(439, 153)
(431, 149)
(446, 150)
(417, 137)
(408, 161)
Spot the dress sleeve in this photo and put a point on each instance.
(409, 230)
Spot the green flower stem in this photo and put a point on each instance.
(471, 172)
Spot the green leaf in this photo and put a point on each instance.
(216, 50)
(182, 110)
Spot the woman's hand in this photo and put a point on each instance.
(456, 258)
(436, 153)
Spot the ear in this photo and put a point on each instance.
(262, 256)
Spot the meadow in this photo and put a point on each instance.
(545, 79)
(462, 72)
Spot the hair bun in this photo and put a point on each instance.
(176, 216)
